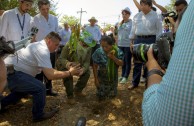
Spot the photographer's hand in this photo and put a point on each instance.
(152, 64)
(171, 20)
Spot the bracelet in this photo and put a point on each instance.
(70, 74)
(155, 71)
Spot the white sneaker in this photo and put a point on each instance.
(120, 79)
(143, 80)
(123, 81)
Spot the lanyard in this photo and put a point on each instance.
(21, 25)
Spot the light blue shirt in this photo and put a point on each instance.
(95, 31)
(149, 24)
(123, 34)
(171, 103)
(65, 36)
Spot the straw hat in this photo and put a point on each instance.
(93, 19)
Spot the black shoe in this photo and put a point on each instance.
(51, 93)
(47, 115)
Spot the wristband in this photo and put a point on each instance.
(155, 71)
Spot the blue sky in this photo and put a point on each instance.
(106, 11)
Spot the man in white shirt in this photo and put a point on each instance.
(45, 23)
(146, 26)
(65, 34)
(30, 61)
(15, 23)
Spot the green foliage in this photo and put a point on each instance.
(74, 39)
(170, 7)
(71, 20)
(107, 27)
(8, 4)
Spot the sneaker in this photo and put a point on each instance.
(123, 81)
(120, 79)
(71, 101)
(143, 80)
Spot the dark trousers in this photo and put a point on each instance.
(127, 61)
(138, 66)
(80, 85)
(43, 78)
(22, 84)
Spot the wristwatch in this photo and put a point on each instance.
(155, 71)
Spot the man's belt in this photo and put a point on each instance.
(145, 36)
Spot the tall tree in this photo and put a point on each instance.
(170, 7)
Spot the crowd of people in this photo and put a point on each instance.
(53, 54)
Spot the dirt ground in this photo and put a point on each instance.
(124, 110)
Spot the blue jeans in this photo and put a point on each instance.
(138, 66)
(21, 84)
(126, 61)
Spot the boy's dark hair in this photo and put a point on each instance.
(147, 2)
(53, 35)
(179, 2)
(43, 2)
(107, 39)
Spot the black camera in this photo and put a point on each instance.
(162, 50)
(170, 14)
(6, 47)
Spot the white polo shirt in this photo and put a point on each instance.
(32, 59)
(44, 26)
(10, 25)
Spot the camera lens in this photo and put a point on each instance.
(140, 52)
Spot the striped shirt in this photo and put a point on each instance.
(171, 103)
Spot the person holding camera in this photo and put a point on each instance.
(146, 27)
(27, 64)
(81, 56)
(15, 23)
(179, 7)
(169, 99)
